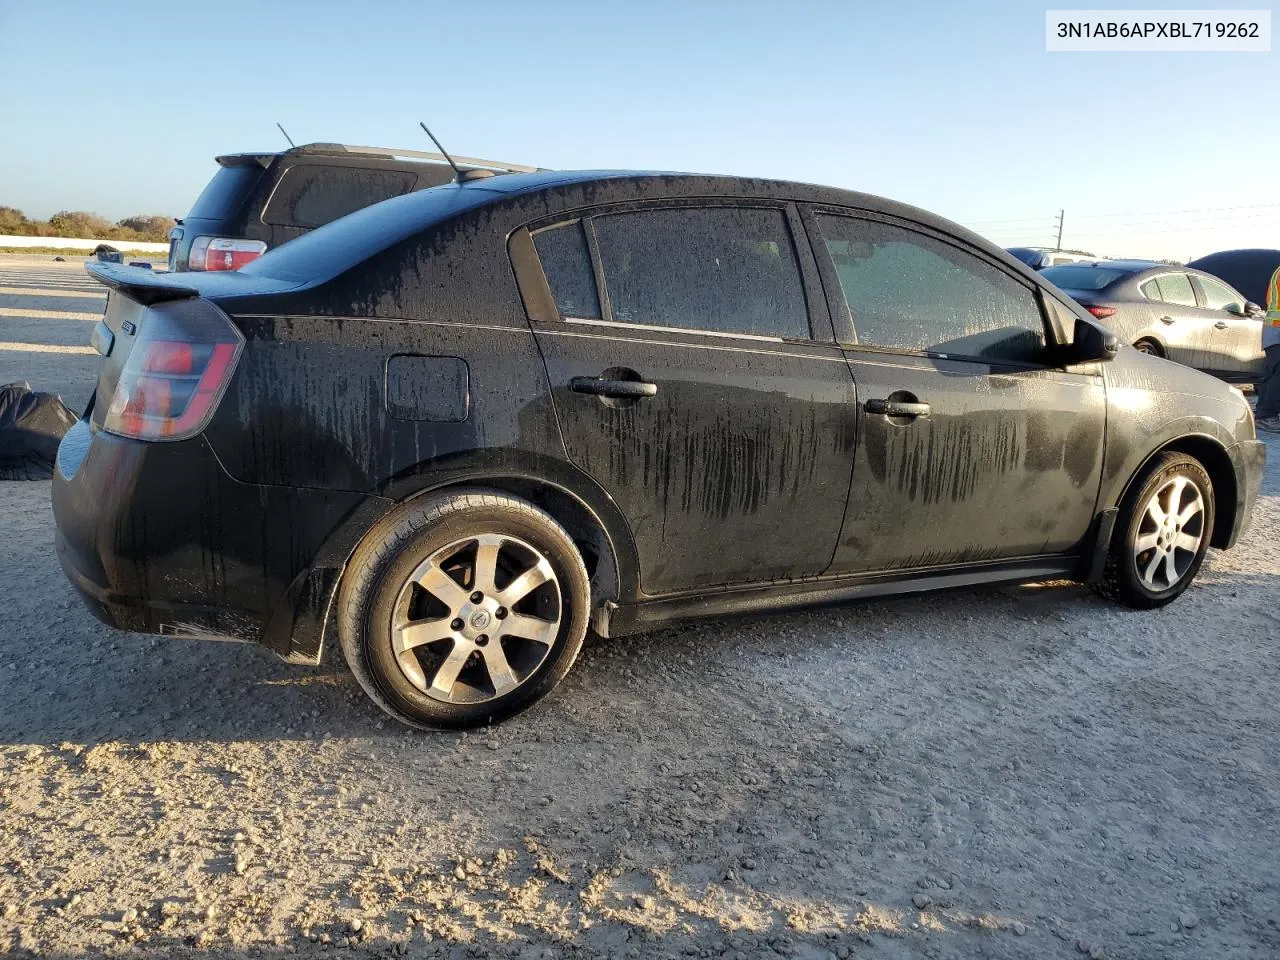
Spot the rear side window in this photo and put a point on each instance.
(225, 193)
(309, 195)
(715, 269)
(567, 266)
(1176, 288)
(1150, 290)
(1218, 296)
(908, 291)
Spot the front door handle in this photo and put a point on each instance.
(613, 388)
(1166, 319)
(1220, 325)
(896, 408)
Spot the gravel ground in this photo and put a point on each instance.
(1010, 772)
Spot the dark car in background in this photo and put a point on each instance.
(453, 429)
(257, 201)
(1248, 271)
(1185, 315)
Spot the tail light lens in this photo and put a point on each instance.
(1101, 312)
(223, 253)
(181, 362)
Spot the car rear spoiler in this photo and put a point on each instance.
(138, 283)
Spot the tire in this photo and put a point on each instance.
(1149, 347)
(1139, 578)
(481, 669)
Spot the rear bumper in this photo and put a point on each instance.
(157, 538)
(1249, 457)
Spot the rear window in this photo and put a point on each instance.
(225, 192)
(340, 245)
(310, 195)
(1073, 277)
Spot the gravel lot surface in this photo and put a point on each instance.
(1020, 772)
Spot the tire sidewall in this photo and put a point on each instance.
(1134, 512)
(377, 597)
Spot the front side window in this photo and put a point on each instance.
(908, 291)
(729, 270)
(310, 195)
(1218, 296)
(566, 263)
(1176, 288)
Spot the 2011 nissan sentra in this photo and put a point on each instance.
(453, 430)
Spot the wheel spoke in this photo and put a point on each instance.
(1155, 511)
(1145, 542)
(1170, 569)
(530, 628)
(1185, 541)
(1152, 565)
(500, 674)
(486, 571)
(442, 586)
(415, 634)
(526, 583)
(447, 673)
(1175, 494)
(1190, 510)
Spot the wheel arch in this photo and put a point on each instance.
(1213, 456)
(306, 618)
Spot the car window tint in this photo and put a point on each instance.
(909, 291)
(567, 266)
(1176, 288)
(226, 192)
(1150, 290)
(719, 269)
(309, 195)
(1219, 296)
(1073, 276)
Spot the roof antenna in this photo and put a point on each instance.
(286, 136)
(459, 174)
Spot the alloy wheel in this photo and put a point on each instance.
(1170, 534)
(476, 619)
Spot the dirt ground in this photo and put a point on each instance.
(1020, 772)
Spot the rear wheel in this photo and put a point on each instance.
(469, 609)
(1149, 347)
(1161, 534)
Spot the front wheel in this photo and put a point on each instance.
(470, 608)
(1161, 534)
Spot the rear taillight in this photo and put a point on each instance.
(223, 253)
(1101, 312)
(180, 364)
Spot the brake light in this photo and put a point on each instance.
(180, 365)
(1101, 312)
(223, 253)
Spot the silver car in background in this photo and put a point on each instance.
(1171, 311)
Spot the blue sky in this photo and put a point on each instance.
(119, 108)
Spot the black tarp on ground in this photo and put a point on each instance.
(31, 427)
(1248, 271)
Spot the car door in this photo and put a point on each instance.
(1236, 350)
(973, 446)
(690, 385)
(1186, 332)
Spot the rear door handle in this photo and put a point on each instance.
(896, 408)
(613, 388)
(1220, 325)
(1166, 319)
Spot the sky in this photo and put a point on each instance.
(119, 108)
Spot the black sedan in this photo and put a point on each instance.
(451, 431)
(1170, 311)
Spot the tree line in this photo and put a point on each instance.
(86, 226)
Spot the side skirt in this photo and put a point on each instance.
(621, 619)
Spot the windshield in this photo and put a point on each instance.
(338, 246)
(1078, 277)
(225, 192)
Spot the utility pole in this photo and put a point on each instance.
(1062, 215)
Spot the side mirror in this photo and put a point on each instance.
(1251, 309)
(1091, 343)
(1235, 309)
